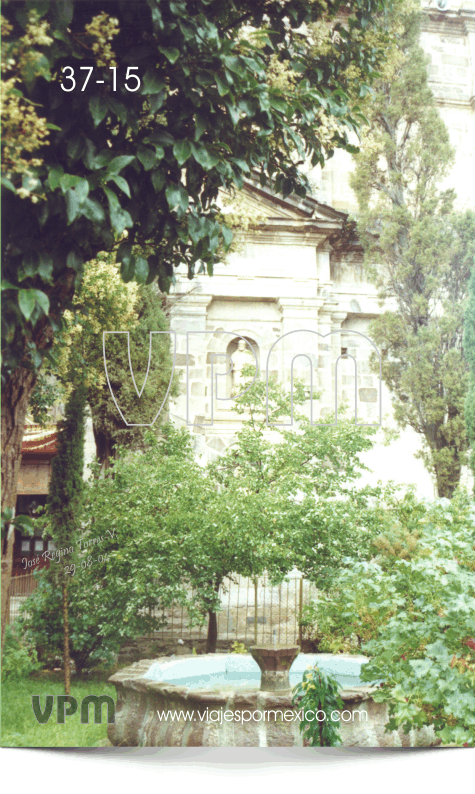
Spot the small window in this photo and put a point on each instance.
(51, 546)
(344, 351)
(25, 545)
(39, 545)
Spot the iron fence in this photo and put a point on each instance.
(21, 587)
(252, 610)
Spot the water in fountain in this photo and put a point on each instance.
(240, 670)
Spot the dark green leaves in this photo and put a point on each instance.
(182, 150)
(29, 298)
(152, 82)
(127, 261)
(147, 157)
(141, 269)
(120, 182)
(118, 163)
(55, 172)
(171, 53)
(203, 156)
(120, 219)
(98, 107)
(177, 197)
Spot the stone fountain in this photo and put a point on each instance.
(241, 700)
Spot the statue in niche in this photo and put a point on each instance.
(241, 357)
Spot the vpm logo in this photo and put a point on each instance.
(215, 358)
(72, 706)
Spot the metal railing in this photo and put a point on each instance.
(252, 610)
(21, 587)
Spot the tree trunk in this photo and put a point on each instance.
(16, 393)
(15, 399)
(105, 447)
(212, 632)
(66, 655)
(212, 637)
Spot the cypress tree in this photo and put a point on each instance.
(424, 251)
(64, 503)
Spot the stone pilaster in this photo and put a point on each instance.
(323, 264)
(299, 317)
(338, 373)
(189, 316)
(326, 359)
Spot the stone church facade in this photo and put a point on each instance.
(300, 306)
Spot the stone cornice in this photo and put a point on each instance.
(284, 232)
(460, 104)
(453, 22)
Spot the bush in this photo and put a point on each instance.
(19, 657)
(318, 692)
(363, 596)
(425, 651)
(411, 609)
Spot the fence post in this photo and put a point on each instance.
(300, 609)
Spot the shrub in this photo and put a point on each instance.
(19, 657)
(318, 692)
(238, 647)
(425, 651)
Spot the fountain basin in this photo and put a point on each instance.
(217, 702)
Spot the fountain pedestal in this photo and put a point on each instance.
(275, 662)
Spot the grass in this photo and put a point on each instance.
(21, 729)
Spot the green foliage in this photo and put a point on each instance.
(425, 250)
(105, 303)
(469, 352)
(109, 428)
(424, 651)
(318, 693)
(112, 166)
(362, 597)
(300, 488)
(411, 609)
(46, 394)
(238, 647)
(19, 658)
(179, 527)
(66, 487)
(97, 623)
(23, 523)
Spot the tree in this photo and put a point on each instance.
(424, 251)
(106, 304)
(179, 106)
(180, 529)
(469, 349)
(65, 502)
(109, 430)
(101, 617)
